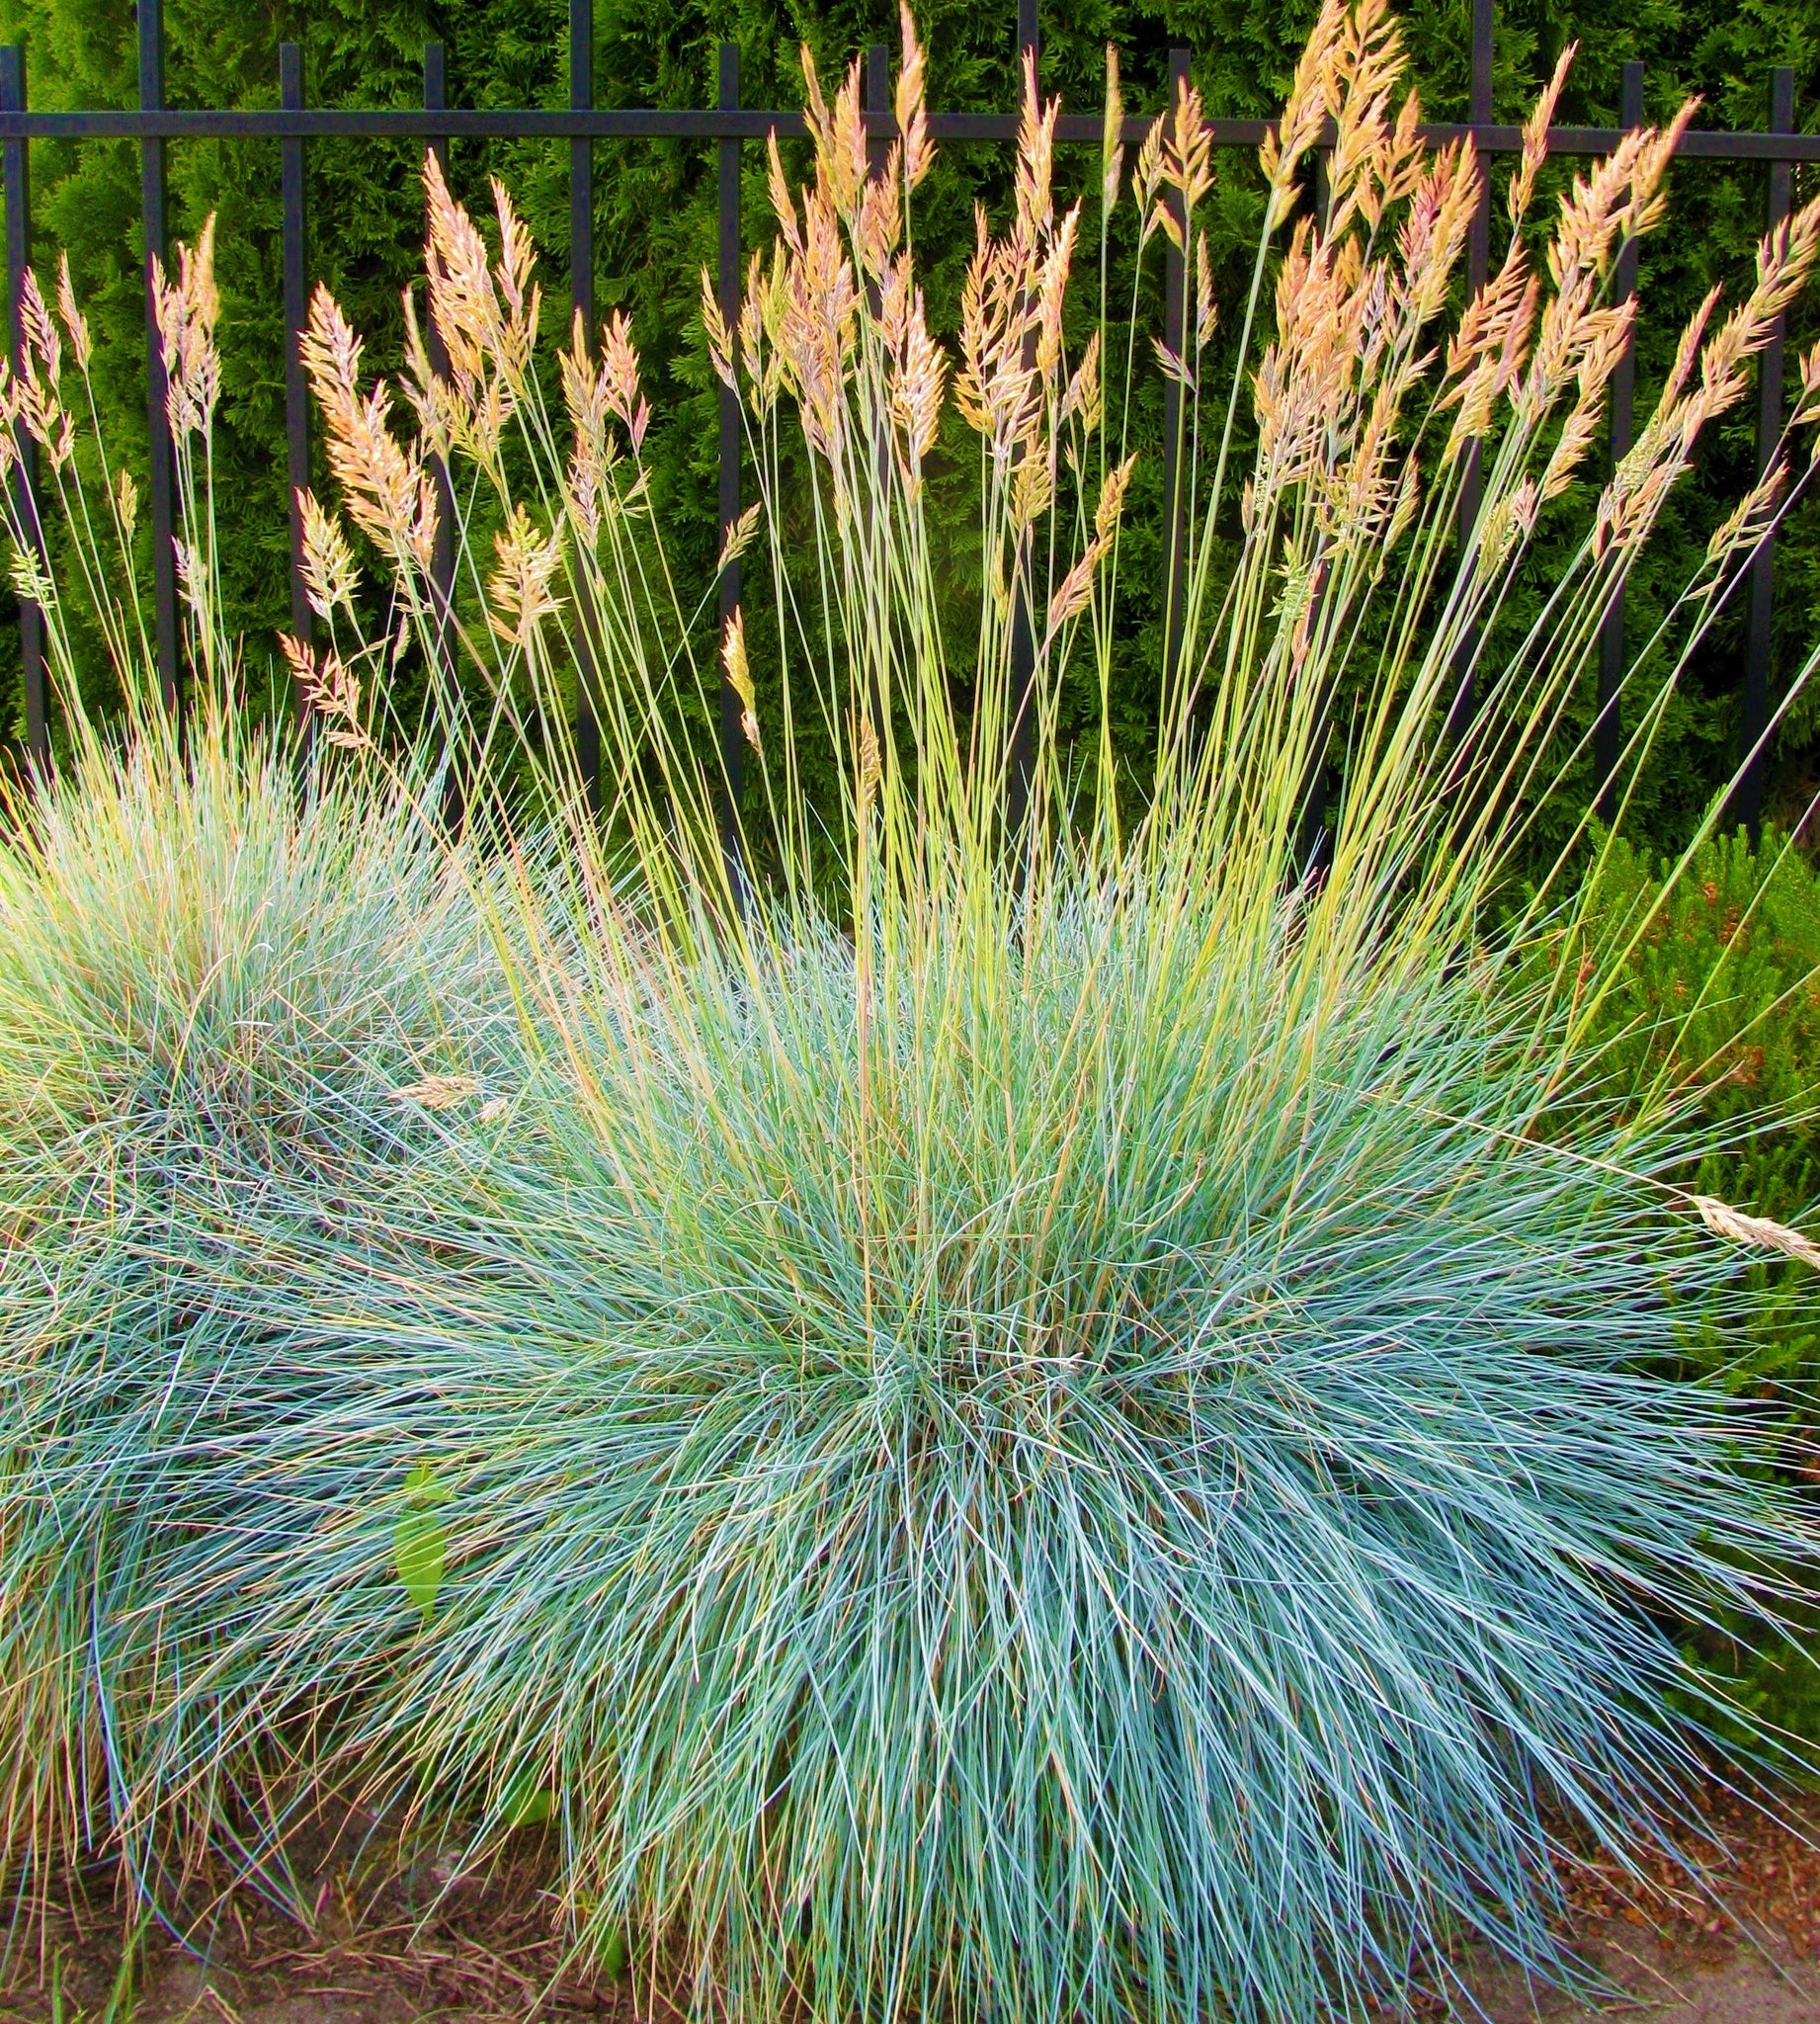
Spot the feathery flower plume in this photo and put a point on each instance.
(1664, 446)
(740, 676)
(839, 138)
(1753, 516)
(32, 584)
(1112, 141)
(1433, 232)
(1807, 407)
(871, 764)
(332, 689)
(74, 322)
(1368, 60)
(919, 377)
(1172, 364)
(760, 322)
(1036, 154)
(719, 338)
(1112, 498)
(187, 313)
(463, 304)
(1759, 1232)
(387, 488)
(881, 224)
(514, 271)
(438, 1092)
(739, 536)
(40, 399)
(1147, 177)
(1084, 392)
(1051, 296)
(912, 117)
(34, 398)
(443, 416)
(1304, 111)
(1205, 312)
(1075, 590)
(779, 188)
(619, 378)
(1535, 138)
(330, 573)
(517, 591)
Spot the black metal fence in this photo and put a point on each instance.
(729, 125)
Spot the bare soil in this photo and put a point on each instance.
(415, 1947)
(1746, 1949)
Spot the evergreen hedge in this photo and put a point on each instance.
(1738, 938)
(655, 225)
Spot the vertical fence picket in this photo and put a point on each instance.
(296, 390)
(877, 101)
(1748, 804)
(1020, 737)
(1175, 340)
(1313, 851)
(581, 320)
(1607, 731)
(726, 295)
(157, 420)
(18, 175)
(1478, 270)
(442, 556)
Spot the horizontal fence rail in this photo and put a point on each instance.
(734, 124)
(728, 125)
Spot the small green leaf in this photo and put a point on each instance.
(421, 1488)
(527, 1803)
(420, 1541)
(613, 1957)
(419, 1544)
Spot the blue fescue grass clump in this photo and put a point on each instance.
(1119, 1481)
(217, 974)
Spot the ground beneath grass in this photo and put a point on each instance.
(413, 1947)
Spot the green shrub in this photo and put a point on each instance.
(1719, 998)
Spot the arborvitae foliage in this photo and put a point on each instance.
(1720, 995)
(1720, 999)
(655, 227)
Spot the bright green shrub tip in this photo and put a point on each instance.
(215, 969)
(1721, 997)
(1720, 1001)
(1133, 1503)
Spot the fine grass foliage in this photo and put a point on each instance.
(1075, 1429)
(1122, 1505)
(216, 975)
(1005, 1393)
(1720, 1000)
